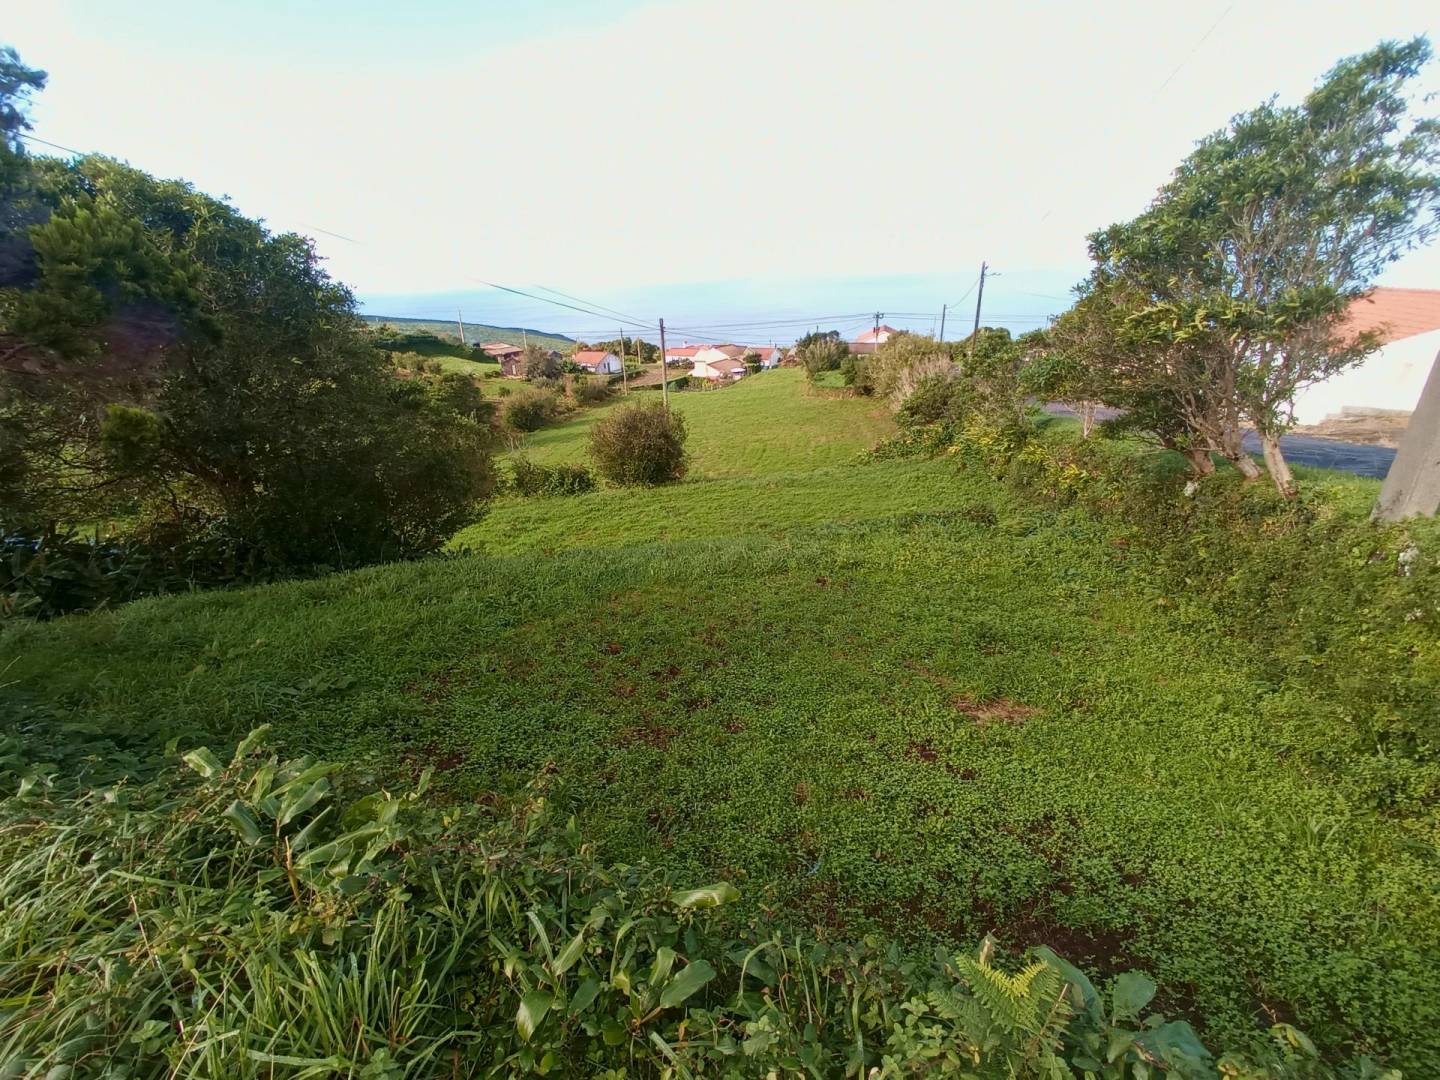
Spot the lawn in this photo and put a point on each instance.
(883, 696)
(764, 425)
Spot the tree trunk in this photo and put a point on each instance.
(1233, 451)
(1087, 419)
(1277, 466)
(1201, 463)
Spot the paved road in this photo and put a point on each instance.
(1357, 458)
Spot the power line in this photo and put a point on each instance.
(578, 300)
(1194, 49)
(57, 146)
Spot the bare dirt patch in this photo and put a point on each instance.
(995, 711)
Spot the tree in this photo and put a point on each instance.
(640, 445)
(1051, 373)
(182, 366)
(539, 363)
(752, 362)
(17, 83)
(1251, 255)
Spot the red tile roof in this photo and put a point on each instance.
(588, 357)
(1395, 313)
(728, 364)
(874, 332)
(684, 350)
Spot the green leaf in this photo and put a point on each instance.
(710, 896)
(569, 954)
(695, 976)
(203, 762)
(533, 1007)
(240, 818)
(588, 992)
(252, 740)
(1133, 992)
(294, 806)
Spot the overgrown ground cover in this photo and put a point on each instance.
(942, 711)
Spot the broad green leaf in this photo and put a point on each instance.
(664, 964)
(696, 975)
(533, 1007)
(710, 896)
(240, 818)
(569, 954)
(252, 740)
(1133, 992)
(294, 806)
(203, 761)
(589, 990)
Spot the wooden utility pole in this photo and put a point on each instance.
(624, 383)
(943, 309)
(460, 322)
(664, 371)
(975, 336)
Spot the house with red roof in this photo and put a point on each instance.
(1391, 378)
(598, 361)
(873, 338)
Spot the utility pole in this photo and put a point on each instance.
(664, 371)
(524, 339)
(943, 309)
(460, 322)
(978, 297)
(624, 383)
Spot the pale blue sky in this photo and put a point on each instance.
(605, 147)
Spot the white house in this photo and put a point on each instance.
(719, 362)
(769, 355)
(598, 361)
(1392, 377)
(681, 354)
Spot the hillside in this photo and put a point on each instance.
(475, 332)
(887, 695)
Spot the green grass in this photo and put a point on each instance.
(764, 425)
(939, 713)
(890, 696)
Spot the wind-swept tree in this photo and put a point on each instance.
(1250, 256)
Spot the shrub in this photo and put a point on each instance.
(530, 408)
(641, 444)
(527, 478)
(855, 373)
(939, 394)
(263, 913)
(591, 391)
(821, 352)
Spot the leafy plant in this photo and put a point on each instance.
(641, 444)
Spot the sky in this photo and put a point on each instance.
(716, 159)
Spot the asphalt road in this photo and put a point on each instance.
(1357, 458)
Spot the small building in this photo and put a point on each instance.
(681, 354)
(1391, 378)
(511, 358)
(717, 362)
(872, 339)
(769, 355)
(598, 361)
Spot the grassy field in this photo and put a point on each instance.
(877, 696)
(764, 425)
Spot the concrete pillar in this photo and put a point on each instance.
(1412, 487)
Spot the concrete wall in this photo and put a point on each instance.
(1391, 378)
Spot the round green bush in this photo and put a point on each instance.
(640, 445)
